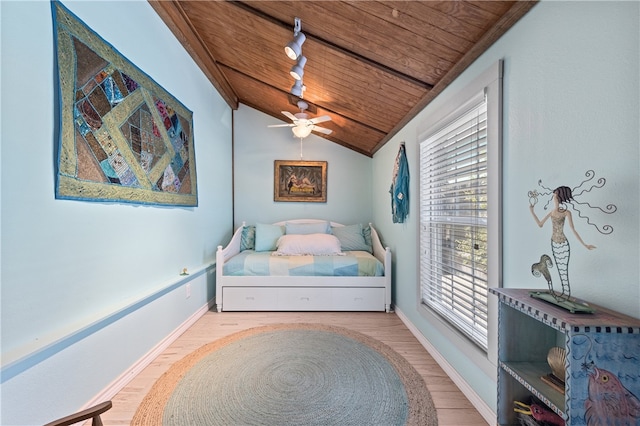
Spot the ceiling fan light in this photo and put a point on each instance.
(301, 131)
(294, 48)
(297, 88)
(297, 71)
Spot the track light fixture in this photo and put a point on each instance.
(294, 48)
(297, 71)
(298, 88)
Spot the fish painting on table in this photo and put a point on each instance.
(609, 401)
(605, 391)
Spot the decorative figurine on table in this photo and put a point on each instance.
(563, 197)
(538, 412)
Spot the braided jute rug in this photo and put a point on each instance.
(290, 374)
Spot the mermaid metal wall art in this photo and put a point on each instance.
(564, 198)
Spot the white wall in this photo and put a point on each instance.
(571, 104)
(256, 147)
(77, 273)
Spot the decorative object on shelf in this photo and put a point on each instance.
(300, 181)
(400, 187)
(539, 413)
(563, 197)
(525, 419)
(122, 137)
(184, 271)
(556, 359)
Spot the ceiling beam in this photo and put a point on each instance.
(334, 46)
(290, 97)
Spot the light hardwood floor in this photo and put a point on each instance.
(453, 407)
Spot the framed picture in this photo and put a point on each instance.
(300, 181)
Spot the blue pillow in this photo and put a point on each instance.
(351, 237)
(307, 228)
(248, 238)
(366, 231)
(267, 236)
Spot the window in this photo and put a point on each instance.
(459, 189)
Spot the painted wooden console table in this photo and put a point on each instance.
(602, 367)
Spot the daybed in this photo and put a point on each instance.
(296, 266)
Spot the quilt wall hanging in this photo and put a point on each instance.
(123, 138)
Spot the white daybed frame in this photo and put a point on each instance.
(302, 293)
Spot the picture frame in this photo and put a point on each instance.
(300, 181)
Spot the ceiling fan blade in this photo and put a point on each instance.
(281, 125)
(320, 119)
(321, 130)
(290, 116)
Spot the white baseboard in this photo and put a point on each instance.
(485, 411)
(119, 383)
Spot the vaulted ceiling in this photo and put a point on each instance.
(371, 65)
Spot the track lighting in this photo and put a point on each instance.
(294, 48)
(297, 88)
(294, 51)
(297, 71)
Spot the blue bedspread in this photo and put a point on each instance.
(353, 264)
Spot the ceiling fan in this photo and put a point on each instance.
(302, 125)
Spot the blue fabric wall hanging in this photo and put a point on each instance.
(400, 187)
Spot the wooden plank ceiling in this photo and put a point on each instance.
(371, 65)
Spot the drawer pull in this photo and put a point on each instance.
(249, 298)
(304, 298)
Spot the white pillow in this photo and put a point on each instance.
(308, 244)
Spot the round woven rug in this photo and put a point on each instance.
(290, 374)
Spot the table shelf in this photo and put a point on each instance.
(600, 341)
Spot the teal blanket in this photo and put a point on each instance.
(353, 264)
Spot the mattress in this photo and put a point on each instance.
(352, 264)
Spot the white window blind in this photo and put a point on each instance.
(453, 221)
